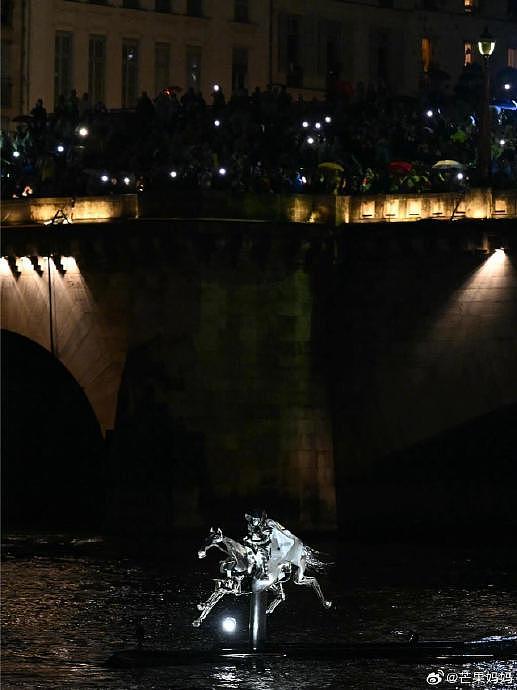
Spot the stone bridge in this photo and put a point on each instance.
(333, 375)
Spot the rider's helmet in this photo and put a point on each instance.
(256, 520)
(258, 530)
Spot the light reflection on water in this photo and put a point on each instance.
(67, 607)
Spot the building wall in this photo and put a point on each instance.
(216, 34)
(371, 41)
(11, 58)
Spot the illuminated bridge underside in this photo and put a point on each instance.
(244, 363)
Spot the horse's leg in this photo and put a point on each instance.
(203, 606)
(209, 605)
(301, 579)
(280, 597)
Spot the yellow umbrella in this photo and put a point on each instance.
(331, 166)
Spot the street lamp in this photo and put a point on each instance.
(486, 46)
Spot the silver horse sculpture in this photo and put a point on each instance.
(270, 557)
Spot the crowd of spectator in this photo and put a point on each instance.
(363, 140)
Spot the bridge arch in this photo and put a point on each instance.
(75, 316)
(53, 452)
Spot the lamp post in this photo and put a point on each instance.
(486, 46)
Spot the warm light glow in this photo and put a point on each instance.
(437, 208)
(497, 258)
(83, 131)
(300, 211)
(500, 207)
(392, 208)
(426, 54)
(467, 50)
(414, 207)
(368, 209)
(4, 266)
(216, 87)
(69, 264)
(479, 211)
(229, 624)
(24, 264)
(486, 44)
(126, 180)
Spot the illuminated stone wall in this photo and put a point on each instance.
(77, 209)
(321, 209)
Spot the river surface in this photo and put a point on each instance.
(68, 603)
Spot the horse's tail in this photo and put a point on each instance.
(314, 562)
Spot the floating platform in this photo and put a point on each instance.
(412, 652)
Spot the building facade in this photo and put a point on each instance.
(115, 49)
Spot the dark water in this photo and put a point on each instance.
(67, 606)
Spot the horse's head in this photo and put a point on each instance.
(215, 536)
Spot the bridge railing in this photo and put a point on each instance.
(39, 210)
(302, 208)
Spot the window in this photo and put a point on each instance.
(195, 8)
(239, 69)
(241, 11)
(194, 67)
(293, 39)
(468, 5)
(512, 57)
(426, 54)
(468, 53)
(162, 54)
(97, 69)
(129, 73)
(63, 55)
(163, 6)
(289, 30)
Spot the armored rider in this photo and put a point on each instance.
(258, 540)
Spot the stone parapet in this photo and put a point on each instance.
(472, 204)
(41, 210)
(321, 209)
